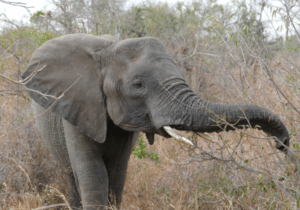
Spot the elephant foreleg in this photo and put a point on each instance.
(51, 129)
(89, 169)
(117, 167)
(74, 197)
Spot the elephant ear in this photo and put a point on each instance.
(66, 60)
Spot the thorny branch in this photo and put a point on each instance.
(16, 4)
(198, 53)
(205, 155)
(52, 206)
(239, 162)
(231, 157)
(44, 95)
(265, 67)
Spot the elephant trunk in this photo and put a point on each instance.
(184, 110)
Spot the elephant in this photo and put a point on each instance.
(104, 92)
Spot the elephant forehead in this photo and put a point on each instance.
(129, 52)
(134, 49)
(154, 66)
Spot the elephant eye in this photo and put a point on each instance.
(138, 84)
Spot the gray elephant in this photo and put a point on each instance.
(124, 87)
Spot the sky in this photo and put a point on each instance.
(17, 13)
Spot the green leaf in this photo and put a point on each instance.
(296, 146)
(274, 13)
(215, 6)
(246, 30)
(287, 109)
(140, 151)
(232, 35)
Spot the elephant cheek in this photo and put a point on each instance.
(115, 113)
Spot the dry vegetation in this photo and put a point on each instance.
(242, 170)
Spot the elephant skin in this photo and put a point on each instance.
(108, 91)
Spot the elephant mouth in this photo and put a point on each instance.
(161, 131)
(168, 131)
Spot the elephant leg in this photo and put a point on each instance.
(74, 197)
(51, 130)
(117, 163)
(89, 169)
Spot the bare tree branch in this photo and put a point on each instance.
(44, 95)
(16, 4)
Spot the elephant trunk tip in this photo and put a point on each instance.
(282, 143)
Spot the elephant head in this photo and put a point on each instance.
(137, 84)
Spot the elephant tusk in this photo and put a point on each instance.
(206, 137)
(178, 137)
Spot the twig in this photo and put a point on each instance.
(16, 4)
(218, 201)
(24, 171)
(275, 84)
(18, 128)
(292, 22)
(26, 80)
(56, 99)
(52, 206)
(1, 58)
(199, 53)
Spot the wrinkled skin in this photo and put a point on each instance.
(126, 87)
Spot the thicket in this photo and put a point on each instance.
(235, 53)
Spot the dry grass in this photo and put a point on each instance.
(183, 178)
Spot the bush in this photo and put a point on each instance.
(140, 151)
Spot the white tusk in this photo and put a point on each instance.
(172, 133)
(206, 137)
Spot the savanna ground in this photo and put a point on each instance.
(225, 59)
